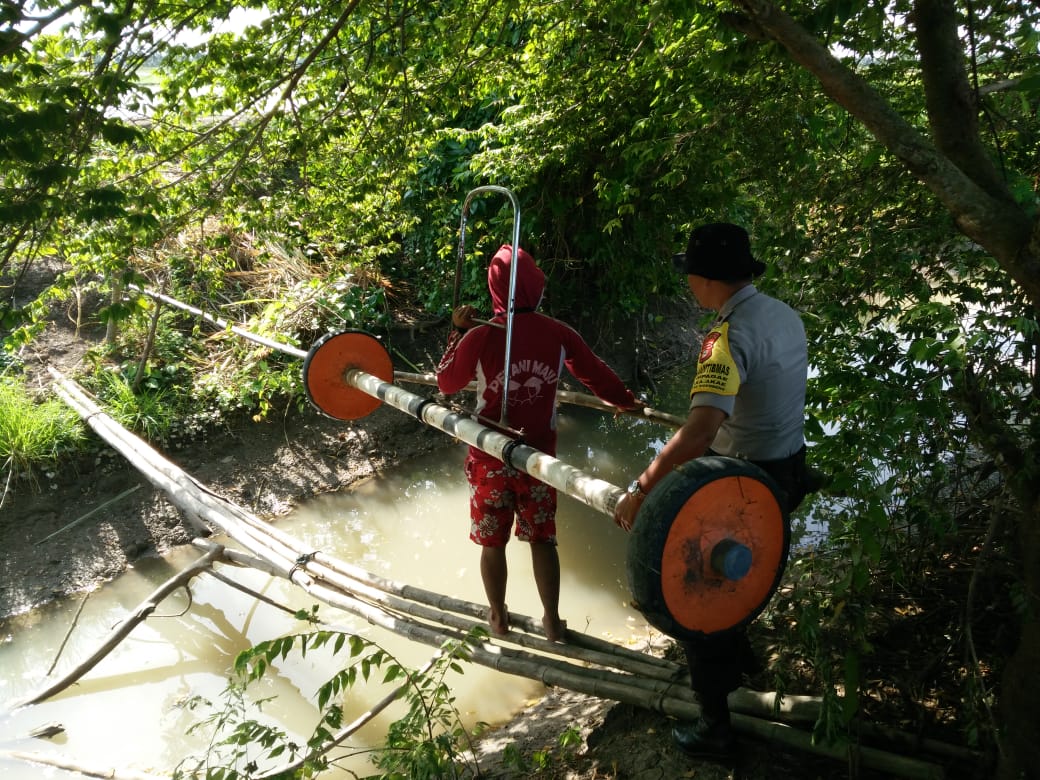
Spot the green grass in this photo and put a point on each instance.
(34, 435)
(151, 413)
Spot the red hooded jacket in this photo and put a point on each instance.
(541, 348)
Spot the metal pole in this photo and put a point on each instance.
(593, 492)
(510, 307)
(566, 396)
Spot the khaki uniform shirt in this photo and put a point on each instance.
(753, 366)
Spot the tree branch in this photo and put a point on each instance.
(952, 108)
(996, 435)
(294, 79)
(1001, 227)
(42, 22)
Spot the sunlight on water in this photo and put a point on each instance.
(129, 705)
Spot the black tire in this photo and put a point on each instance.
(653, 524)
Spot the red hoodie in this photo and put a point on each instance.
(541, 348)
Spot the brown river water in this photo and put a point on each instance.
(410, 526)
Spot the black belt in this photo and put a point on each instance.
(765, 465)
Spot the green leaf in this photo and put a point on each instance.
(119, 133)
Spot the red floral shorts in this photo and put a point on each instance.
(497, 494)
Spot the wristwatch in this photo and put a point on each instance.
(635, 489)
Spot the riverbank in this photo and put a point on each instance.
(273, 466)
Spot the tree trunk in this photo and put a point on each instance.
(1003, 229)
(1020, 694)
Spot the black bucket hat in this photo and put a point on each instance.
(719, 250)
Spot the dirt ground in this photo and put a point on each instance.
(272, 466)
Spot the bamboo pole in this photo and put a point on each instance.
(221, 323)
(639, 664)
(282, 556)
(427, 615)
(566, 396)
(133, 449)
(777, 733)
(267, 540)
(592, 491)
(788, 708)
(414, 600)
(563, 396)
(611, 686)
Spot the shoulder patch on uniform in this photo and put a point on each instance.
(716, 371)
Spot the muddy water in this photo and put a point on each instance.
(411, 526)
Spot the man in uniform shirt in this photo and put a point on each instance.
(747, 401)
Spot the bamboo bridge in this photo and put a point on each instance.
(582, 663)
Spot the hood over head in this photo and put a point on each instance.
(530, 281)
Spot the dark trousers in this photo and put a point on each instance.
(790, 475)
(718, 662)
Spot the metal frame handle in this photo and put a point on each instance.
(511, 305)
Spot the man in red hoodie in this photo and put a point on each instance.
(541, 347)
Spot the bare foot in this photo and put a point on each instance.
(499, 622)
(554, 629)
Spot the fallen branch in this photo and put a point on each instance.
(65, 639)
(120, 632)
(47, 731)
(252, 592)
(74, 766)
(351, 728)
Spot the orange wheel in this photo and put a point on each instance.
(708, 547)
(328, 361)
